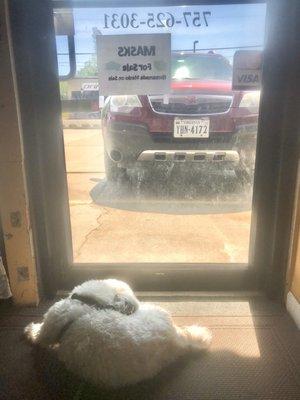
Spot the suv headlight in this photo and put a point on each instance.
(251, 101)
(124, 104)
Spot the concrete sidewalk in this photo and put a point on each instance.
(128, 224)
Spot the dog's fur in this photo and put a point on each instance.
(123, 344)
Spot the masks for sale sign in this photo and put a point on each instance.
(134, 64)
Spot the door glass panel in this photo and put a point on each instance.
(163, 177)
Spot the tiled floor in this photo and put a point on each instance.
(255, 354)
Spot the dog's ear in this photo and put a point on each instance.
(125, 304)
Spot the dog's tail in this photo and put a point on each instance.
(194, 337)
(32, 331)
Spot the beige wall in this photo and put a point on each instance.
(293, 277)
(295, 286)
(13, 190)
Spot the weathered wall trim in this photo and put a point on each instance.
(14, 205)
(293, 272)
(293, 307)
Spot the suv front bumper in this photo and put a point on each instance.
(134, 143)
(194, 156)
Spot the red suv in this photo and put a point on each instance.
(201, 122)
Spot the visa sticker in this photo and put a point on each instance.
(247, 70)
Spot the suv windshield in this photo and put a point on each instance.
(204, 67)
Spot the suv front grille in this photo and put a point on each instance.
(214, 137)
(190, 104)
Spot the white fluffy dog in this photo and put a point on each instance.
(103, 333)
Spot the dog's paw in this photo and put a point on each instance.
(31, 332)
(204, 335)
(198, 337)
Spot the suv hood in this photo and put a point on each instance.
(189, 97)
(205, 87)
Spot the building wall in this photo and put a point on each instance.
(76, 84)
(14, 205)
(294, 274)
(295, 286)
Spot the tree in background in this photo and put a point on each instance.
(63, 88)
(90, 68)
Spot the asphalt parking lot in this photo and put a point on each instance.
(175, 220)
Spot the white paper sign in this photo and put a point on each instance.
(247, 66)
(134, 64)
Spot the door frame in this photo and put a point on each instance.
(34, 47)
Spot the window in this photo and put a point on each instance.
(163, 177)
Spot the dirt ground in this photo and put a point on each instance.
(206, 220)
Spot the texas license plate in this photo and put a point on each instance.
(191, 128)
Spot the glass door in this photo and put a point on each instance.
(161, 176)
(160, 115)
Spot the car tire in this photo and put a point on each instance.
(112, 170)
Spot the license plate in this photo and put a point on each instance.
(191, 128)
